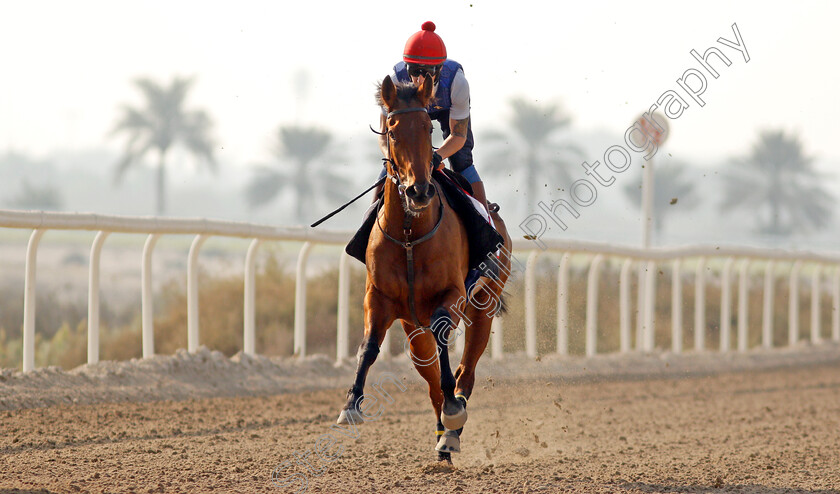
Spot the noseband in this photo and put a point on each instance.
(408, 244)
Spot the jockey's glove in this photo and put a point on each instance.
(437, 161)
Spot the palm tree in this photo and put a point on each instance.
(161, 124)
(671, 191)
(308, 177)
(780, 184)
(530, 142)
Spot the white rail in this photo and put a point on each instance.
(41, 222)
(647, 259)
(597, 254)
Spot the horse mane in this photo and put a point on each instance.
(406, 91)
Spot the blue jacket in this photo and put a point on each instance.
(443, 94)
(439, 109)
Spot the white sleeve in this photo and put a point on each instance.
(460, 97)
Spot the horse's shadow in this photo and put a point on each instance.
(703, 489)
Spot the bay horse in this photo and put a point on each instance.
(417, 260)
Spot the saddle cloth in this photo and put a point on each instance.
(484, 240)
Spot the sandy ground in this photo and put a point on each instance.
(755, 423)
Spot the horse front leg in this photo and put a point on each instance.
(378, 317)
(423, 352)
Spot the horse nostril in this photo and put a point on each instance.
(419, 192)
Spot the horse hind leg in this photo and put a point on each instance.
(479, 313)
(485, 302)
(429, 351)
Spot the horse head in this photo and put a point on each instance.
(409, 133)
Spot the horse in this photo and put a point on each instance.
(417, 261)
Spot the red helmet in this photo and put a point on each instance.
(425, 47)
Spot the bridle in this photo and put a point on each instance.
(407, 244)
(393, 173)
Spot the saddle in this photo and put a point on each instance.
(483, 239)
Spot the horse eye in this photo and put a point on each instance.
(391, 134)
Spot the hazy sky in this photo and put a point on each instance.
(67, 66)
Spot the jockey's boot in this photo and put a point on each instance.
(479, 194)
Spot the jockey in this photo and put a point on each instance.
(425, 53)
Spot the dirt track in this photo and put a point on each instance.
(758, 431)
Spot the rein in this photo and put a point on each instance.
(378, 182)
(408, 244)
(325, 218)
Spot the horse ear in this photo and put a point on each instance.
(425, 90)
(388, 93)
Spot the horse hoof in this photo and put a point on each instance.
(454, 421)
(449, 442)
(347, 417)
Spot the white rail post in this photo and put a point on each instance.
(497, 332)
(648, 195)
(592, 306)
(460, 337)
(700, 306)
(93, 298)
(29, 297)
(531, 304)
(192, 293)
(640, 307)
(385, 348)
(147, 297)
(767, 306)
(249, 304)
(793, 304)
(300, 301)
(743, 317)
(650, 305)
(835, 305)
(342, 337)
(815, 305)
(676, 308)
(563, 305)
(624, 305)
(726, 305)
